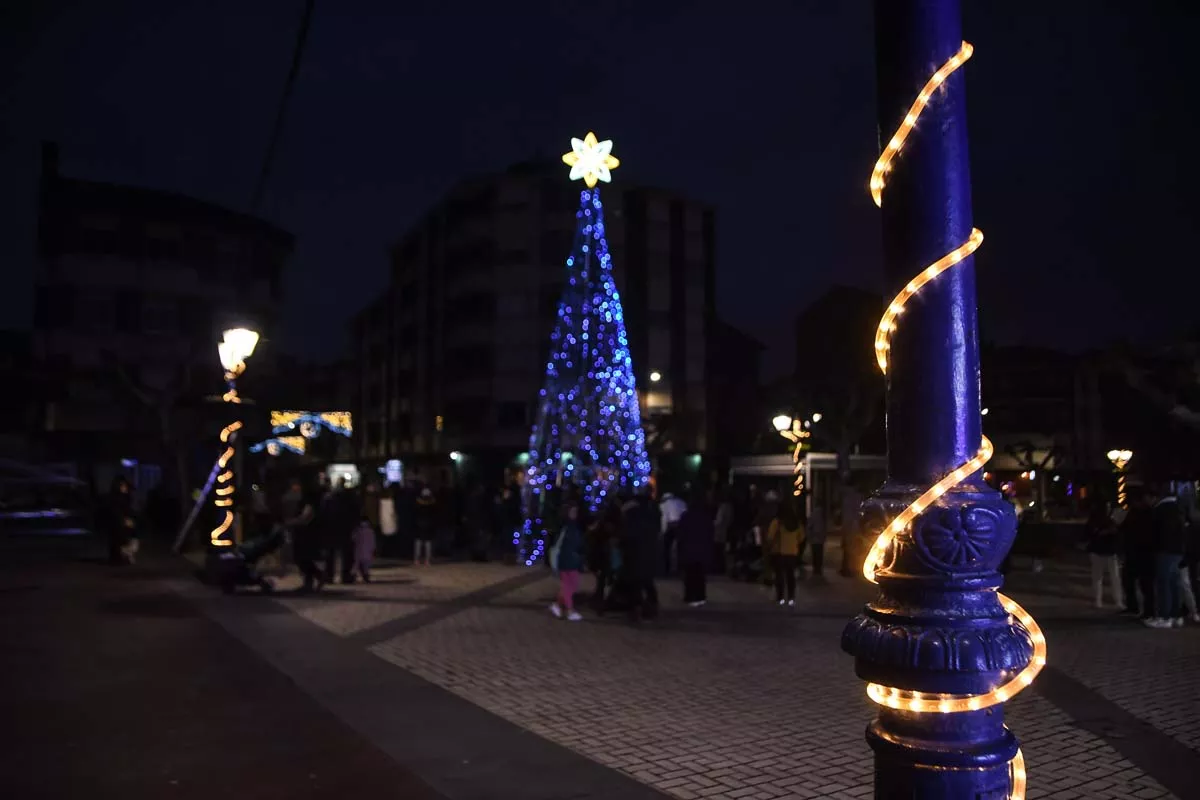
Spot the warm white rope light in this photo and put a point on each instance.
(903, 699)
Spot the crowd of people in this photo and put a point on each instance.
(1149, 552)
(334, 530)
(633, 539)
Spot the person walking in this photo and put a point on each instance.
(568, 560)
(603, 537)
(768, 510)
(341, 512)
(640, 553)
(672, 509)
(1168, 556)
(387, 520)
(1102, 552)
(696, 536)
(1191, 560)
(722, 522)
(306, 535)
(785, 537)
(1136, 541)
(371, 502)
(364, 548)
(816, 531)
(426, 528)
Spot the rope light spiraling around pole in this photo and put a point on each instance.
(225, 488)
(904, 699)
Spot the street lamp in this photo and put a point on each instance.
(655, 376)
(1120, 459)
(791, 429)
(235, 347)
(816, 417)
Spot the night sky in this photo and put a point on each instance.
(1082, 122)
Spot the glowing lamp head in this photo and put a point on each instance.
(237, 345)
(243, 340)
(782, 422)
(228, 356)
(655, 376)
(1120, 457)
(455, 455)
(816, 417)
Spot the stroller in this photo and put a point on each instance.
(746, 559)
(231, 567)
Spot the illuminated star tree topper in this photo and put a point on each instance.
(591, 160)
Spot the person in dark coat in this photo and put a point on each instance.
(1102, 552)
(1169, 546)
(640, 548)
(304, 528)
(603, 541)
(426, 527)
(341, 512)
(1136, 541)
(696, 534)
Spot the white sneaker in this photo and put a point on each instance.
(556, 610)
(781, 602)
(696, 603)
(574, 616)
(1152, 622)
(791, 603)
(1195, 617)
(1177, 622)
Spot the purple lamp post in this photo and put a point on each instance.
(940, 648)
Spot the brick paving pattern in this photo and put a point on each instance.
(393, 594)
(743, 699)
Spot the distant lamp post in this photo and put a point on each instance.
(455, 456)
(1120, 459)
(794, 431)
(655, 376)
(816, 417)
(237, 345)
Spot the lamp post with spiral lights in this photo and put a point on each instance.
(1120, 460)
(237, 345)
(940, 648)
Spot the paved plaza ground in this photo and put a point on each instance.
(457, 683)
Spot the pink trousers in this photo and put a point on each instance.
(568, 582)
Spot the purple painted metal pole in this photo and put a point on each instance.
(937, 626)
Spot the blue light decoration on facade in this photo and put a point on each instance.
(588, 430)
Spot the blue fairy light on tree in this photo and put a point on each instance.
(588, 432)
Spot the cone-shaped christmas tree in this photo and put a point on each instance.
(588, 431)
